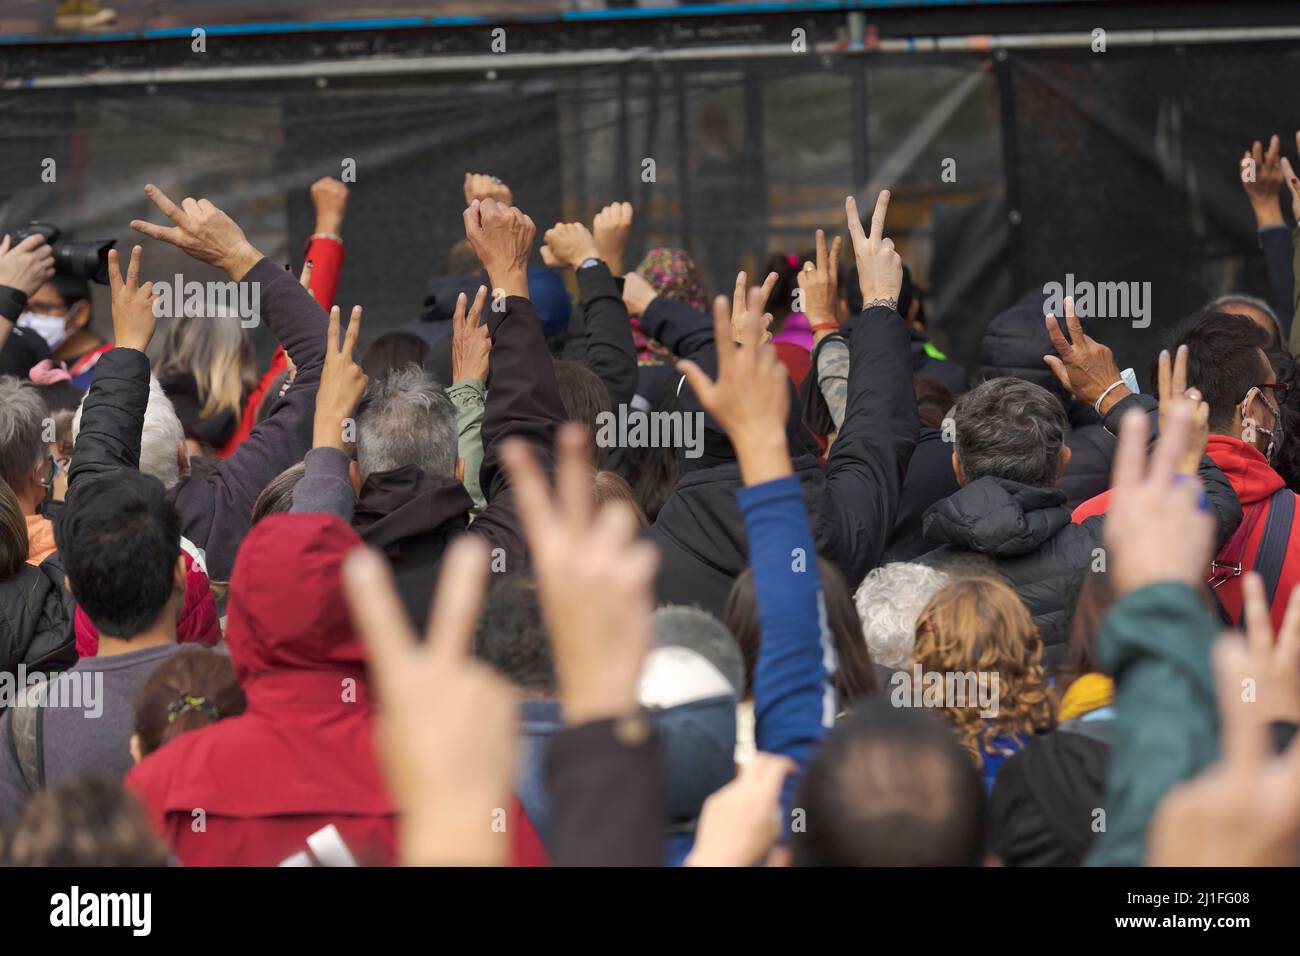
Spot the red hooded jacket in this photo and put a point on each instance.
(301, 757)
(1254, 481)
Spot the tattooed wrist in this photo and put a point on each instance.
(887, 303)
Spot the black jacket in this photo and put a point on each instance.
(1014, 345)
(411, 517)
(1043, 809)
(36, 620)
(946, 372)
(852, 503)
(215, 510)
(1028, 534)
(929, 479)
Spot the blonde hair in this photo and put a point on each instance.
(214, 350)
(980, 625)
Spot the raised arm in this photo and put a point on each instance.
(523, 398)
(1262, 173)
(865, 469)
(794, 700)
(215, 511)
(24, 268)
(606, 334)
(686, 333)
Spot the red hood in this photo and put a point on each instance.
(1249, 472)
(286, 609)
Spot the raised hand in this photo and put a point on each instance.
(742, 821)
(594, 579)
(203, 231)
(637, 294)
(26, 266)
(1245, 809)
(568, 244)
(471, 345)
(749, 398)
(482, 186)
(819, 283)
(1292, 181)
(1157, 528)
(1262, 188)
(341, 383)
(1085, 367)
(880, 268)
(1172, 388)
(750, 322)
(134, 318)
(502, 238)
(330, 197)
(611, 229)
(447, 724)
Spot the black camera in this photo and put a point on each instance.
(85, 259)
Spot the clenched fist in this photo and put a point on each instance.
(611, 229)
(569, 244)
(502, 238)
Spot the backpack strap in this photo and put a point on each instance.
(1226, 565)
(27, 734)
(1273, 544)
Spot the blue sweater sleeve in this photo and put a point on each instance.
(794, 700)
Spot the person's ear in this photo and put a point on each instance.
(136, 755)
(1065, 463)
(957, 471)
(182, 459)
(460, 470)
(78, 317)
(179, 574)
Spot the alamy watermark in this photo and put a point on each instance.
(78, 690)
(1101, 300)
(945, 689)
(637, 428)
(193, 299)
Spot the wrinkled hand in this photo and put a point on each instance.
(637, 294)
(880, 267)
(1172, 388)
(741, 821)
(1292, 181)
(470, 342)
(1263, 190)
(1245, 809)
(502, 238)
(611, 229)
(483, 186)
(341, 383)
(1085, 367)
(202, 231)
(330, 197)
(134, 318)
(818, 281)
(750, 398)
(594, 579)
(26, 266)
(1155, 529)
(447, 721)
(568, 244)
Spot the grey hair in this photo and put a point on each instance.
(22, 419)
(889, 601)
(699, 631)
(1009, 428)
(1224, 303)
(160, 438)
(406, 418)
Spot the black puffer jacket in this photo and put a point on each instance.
(1027, 531)
(36, 620)
(1014, 344)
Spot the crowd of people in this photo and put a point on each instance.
(400, 599)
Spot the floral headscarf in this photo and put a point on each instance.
(671, 273)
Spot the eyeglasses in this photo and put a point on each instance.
(54, 472)
(1280, 389)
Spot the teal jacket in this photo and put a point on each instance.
(1156, 643)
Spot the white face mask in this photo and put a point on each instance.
(52, 328)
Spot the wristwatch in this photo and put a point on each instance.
(588, 263)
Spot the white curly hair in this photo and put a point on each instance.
(889, 601)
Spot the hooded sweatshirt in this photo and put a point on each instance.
(1255, 482)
